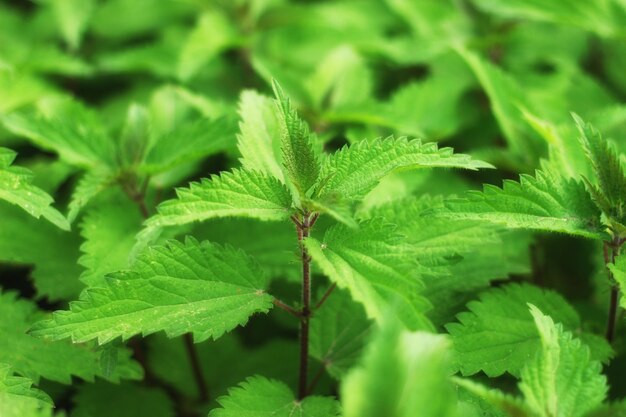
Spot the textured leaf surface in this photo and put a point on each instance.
(498, 334)
(610, 192)
(298, 154)
(258, 140)
(201, 288)
(455, 257)
(262, 397)
(371, 263)
(125, 400)
(16, 188)
(239, 193)
(19, 399)
(109, 235)
(20, 386)
(57, 361)
(402, 374)
(562, 380)
(355, 170)
(92, 183)
(338, 333)
(546, 202)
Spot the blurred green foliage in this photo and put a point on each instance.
(111, 104)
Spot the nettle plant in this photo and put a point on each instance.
(368, 272)
(208, 289)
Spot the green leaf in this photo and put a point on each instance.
(617, 409)
(434, 240)
(498, 334)
(16, 188)
(262, 397)
(20, 386)
(371, 262)
(510, 405)
(546, 202)
(338, 333)
(562, 380)
(258, 140)
(340, 210)
(402, 374)
(191, 287)
(274, 245)
(566, 155)
(56, 361)
(189, 142)
(134, 137)
(213, 33)
(610, 195)
(19, 399)
(341, 80)
(68, 128)
(19, 88)
(436, 24)
(353, 171)
(110, 229)
(72, 19)
(410, 106)
(239, 193)
(506, 97)
(51, 251)
(618, 269)
(126, 400)
(92, 183)
(298, 154)
(602, 17)
(455, 257)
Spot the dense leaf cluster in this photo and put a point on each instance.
(255, 208)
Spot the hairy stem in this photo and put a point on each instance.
(289, 309)
(611, 250)
(196, 368)
(303, 227)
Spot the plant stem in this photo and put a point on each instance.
(196, 368)
(612, 319)
(289, 309)
(303, 228)
(611, 250)
(327, 294)
(137, 195)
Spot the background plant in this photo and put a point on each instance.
(155, 178)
